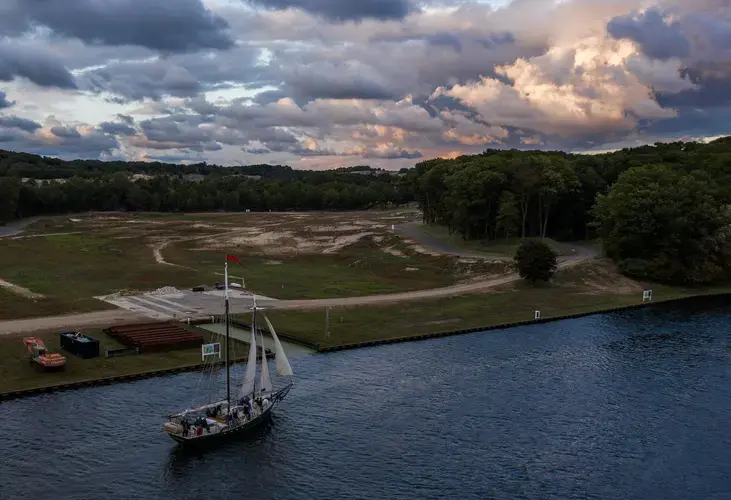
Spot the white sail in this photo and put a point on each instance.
(265, 381)
(283, 368)
(250, 374)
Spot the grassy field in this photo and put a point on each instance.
(286, 256)
(16, 372)
(590, 287)
(586, 288)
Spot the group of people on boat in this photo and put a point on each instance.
(238, 414)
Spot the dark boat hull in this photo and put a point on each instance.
(238, 431)
(225, 435)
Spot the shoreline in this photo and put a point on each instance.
(8, 395)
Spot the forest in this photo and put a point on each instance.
(661, 210)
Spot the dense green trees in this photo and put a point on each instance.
(113, 186)
(665, 224)
(535, 260)
(661, 210)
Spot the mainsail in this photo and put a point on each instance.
(265, 381)
(250, 374)
(283, 368)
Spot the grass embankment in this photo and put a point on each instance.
(591, 287)
(17, 373)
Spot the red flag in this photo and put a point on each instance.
(232, 258)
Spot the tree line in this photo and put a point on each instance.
(661, 211)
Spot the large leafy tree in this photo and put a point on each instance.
(664, 224)
(535, 260)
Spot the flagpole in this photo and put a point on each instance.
(228, 376)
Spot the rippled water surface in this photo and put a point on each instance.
(633, 405)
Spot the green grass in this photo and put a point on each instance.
(13, 306)
(108, 255)
(17, 373)
(512, 303)
(71, 269)
(360, 269)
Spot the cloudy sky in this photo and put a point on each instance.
(326, 83)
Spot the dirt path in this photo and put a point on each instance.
(84, 320)
(414, 232)
(448, 291)
(19, 290)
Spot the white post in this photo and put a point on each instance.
(327, 322)
(225, 279)
(537, 315)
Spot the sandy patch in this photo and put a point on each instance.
(344, 241)
(338, 228)
(283, 242)
(394, 252)
(19, 290)
(411, 269)
(420, 249)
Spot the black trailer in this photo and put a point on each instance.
(79, 344)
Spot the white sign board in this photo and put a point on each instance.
(646, 295)
(537, 315)
(210, 350)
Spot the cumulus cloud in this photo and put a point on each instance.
(351, 10)
(38, 66)
(165, 25)
(331, 83)
(4, 102)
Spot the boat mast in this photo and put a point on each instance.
(228, 375)
(253, 326)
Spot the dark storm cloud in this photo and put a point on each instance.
(326, 80)
(656, 38)
(393, 155)
(138, 80)
(117, 129)
(711, 92)
(344, 10)
(165, 25)
(37, 66)
(125, 118)
(19, 123)
(4, 102)
(179, 75)
(65, 132)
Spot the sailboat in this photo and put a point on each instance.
(250, 408)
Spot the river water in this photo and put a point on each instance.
(631, 405)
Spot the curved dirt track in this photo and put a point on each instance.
(103, 318)
(478, 286)
(59, 323)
